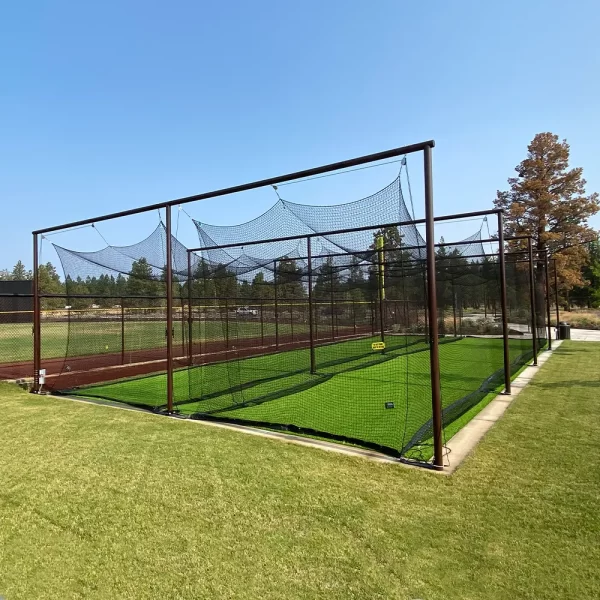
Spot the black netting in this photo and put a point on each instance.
(327, 334)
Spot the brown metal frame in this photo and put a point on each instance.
(425, 147)
(504, 303)
(532, 299)
(546, 277)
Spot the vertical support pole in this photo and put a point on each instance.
(426, 305)
(556, 296)
(313, 363)
(262, 322)
(546, 277)
(183, 320)
(292, 319)
(190, 313)
(503, 302)
(353, 317)
(276, 305)
(380, 286)
(434, 356)
(331, 303)
(227, 323)
(532, 301)
(169, 312)
(37, 316)
(454, 306)
(372, 307)
(122, 331)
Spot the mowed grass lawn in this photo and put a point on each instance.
(347, 396)
(104, 337)
(102, 503)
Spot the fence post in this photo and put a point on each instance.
(503, 303)
(37, 330)
(532, 300)
(434, 357)
(556, 294)
(380, 285)
(169, 312)
(331, 302)
(313, 365)
(262, 322)
(276, 307)
(190, 313)
(547, 299)
(122, 331)
(226, 324)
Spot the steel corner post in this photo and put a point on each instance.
(37, 330)
(547, 290)
(503, 303)
(434, 356)
(190, 312)
(532, 302)
(169, 278)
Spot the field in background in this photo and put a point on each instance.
(104, 337)
(102, 503)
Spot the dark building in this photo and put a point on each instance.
(16, 302)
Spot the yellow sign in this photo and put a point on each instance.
(378, 346)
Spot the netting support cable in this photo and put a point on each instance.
(503, 302)
(410, 196)
(434, 355)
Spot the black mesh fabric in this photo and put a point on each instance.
(335, 345)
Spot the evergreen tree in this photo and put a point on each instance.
(548, 201)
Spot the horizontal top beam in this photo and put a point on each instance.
(353, 162)
(457, 216)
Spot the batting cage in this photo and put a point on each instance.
(344, 322)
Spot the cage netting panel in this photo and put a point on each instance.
(245, 314)
(114, 318)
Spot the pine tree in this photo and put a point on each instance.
(19, 273)
(548, 201)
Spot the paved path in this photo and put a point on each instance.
(585, 335)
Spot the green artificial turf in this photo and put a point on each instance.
(348, 396)
(99, 503)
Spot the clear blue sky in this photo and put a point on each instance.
(110, 105)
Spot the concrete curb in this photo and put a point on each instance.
(461, 445)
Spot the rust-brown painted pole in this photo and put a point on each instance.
(190, 313)
(122, 331)
(169, 275)
(532, 301)
(556, 294)
(548, 314)
(434, 356)
(503, 303)
(313, 364)
(276, 307)
(37, 330)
